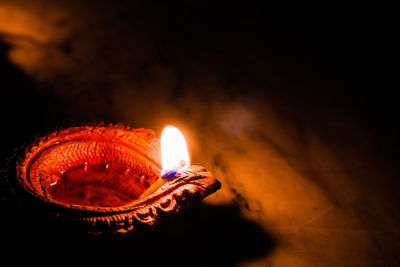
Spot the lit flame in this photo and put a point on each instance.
(174, 154)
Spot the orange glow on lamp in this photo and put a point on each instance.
(128, 185)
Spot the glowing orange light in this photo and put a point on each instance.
(174, 153)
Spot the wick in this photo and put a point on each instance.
(175, 171)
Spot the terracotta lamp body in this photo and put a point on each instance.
(107, 177)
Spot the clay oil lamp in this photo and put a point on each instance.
(110, 178)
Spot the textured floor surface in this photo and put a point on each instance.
(287, 107)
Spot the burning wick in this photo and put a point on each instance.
(174, 154)
(174, 158)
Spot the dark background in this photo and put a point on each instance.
(307, 85)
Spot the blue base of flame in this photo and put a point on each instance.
(172, 173)
(176, 171)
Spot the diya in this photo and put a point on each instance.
(109, 178)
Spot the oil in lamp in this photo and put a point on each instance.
(108, 178)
